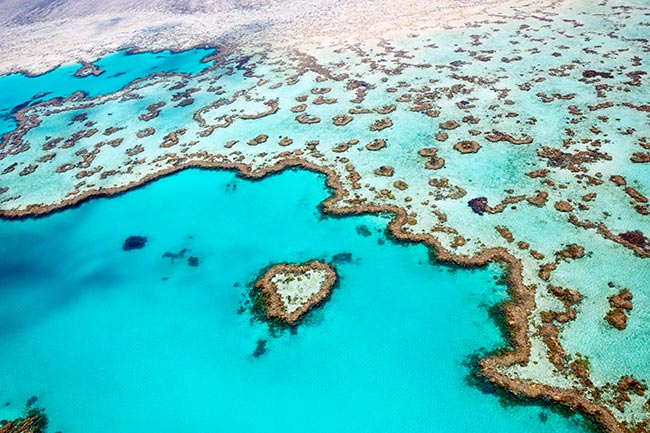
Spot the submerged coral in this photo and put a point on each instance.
(134, 243)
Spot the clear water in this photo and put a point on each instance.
(114, 341)
(121, 68)
(129, 342)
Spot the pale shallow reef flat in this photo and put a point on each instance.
(520, 134)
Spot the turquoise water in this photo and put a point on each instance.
(130, 342)
(114, 341)
(121, 68)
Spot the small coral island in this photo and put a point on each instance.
(288, 291)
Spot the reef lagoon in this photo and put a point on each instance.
(129, 341)
(132, 341)
(19, 90)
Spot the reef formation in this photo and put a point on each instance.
(34, 421)
(289, 291)
(504, 132)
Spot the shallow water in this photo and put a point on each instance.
(121, 68)
(128, 341)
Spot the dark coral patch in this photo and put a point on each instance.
(260, 349)
(175, 256)
(593, 74)
(134, 243)
(636, 237)
(364, 231)
(342, 258)
(478, 205)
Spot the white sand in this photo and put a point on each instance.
(36, 38)
(297, 290)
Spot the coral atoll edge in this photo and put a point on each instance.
(516, 311)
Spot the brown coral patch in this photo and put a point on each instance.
(538, 173)
(88, 69)
(545, 271)
(590, 73)
(341, 147)
(467, 146)
(505, 233)
(380, 124)
(617, 319)
(152, 112)
(620, 303)
(341, 119)
(428, 152)
(28, 169)
(258, 140)
(458, 241)
(625, 386)
(385, 170)
(434, 163)
(449, 124)
(273, 108)
(320, 91)
(10, 168)
(65, 167)
(111, 130)
(376, 144)
(563, 206)
(640, 157)
(571, 161)
(135, 150)
(171, 139)
(145, 132)
(569, 297)
(323, 100)
(549, 334)
(442, 136)
(299, 108)
(618, 180)
(571, 251)
(636, 195)
(622, 299)
(496, 136)
(538, 199)
(536, 255)
(307, 119)
(386, 109)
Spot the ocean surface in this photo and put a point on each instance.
(120, 341)
(131, 341)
